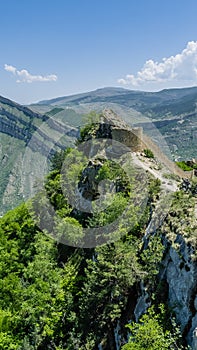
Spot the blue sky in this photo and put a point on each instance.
(62, 47)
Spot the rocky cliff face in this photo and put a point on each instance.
(179, 266)
(177, 279)
(180, 273)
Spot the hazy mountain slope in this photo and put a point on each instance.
(27, 140)
(172, 111)
(88, 96)
(140, 100)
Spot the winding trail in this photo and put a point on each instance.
(169, 185)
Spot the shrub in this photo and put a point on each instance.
(150, 333)
(184, 166)
(148, 153)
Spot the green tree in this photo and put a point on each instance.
(149, 334)
(109, 276)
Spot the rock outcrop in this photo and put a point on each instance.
(112, 126)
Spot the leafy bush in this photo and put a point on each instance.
(184, 166)
(91, 124)
(148, 153)
(150, 333)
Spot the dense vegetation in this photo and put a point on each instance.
(60, 297)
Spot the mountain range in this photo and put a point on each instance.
(172, 112)
(30, 135)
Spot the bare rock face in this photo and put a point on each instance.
(181, 281)
(179, 271)
(143, 302)
(181, 276)
(194, 338)
(115, 128)
(88, 185)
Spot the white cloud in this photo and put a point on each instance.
(181, 68)
(10, 68)
(23, 76)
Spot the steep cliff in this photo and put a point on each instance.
(20, 130)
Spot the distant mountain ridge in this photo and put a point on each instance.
(125, 96)
(172, 111)
(102, 92)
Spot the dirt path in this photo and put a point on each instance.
(169, 185)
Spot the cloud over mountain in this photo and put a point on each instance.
(181, 68)
(23, 76)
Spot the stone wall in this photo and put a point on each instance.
(130, 138)
(136, 140)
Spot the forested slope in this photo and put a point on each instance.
(67, 297)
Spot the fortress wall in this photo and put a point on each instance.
(132, 138)
(137, 141)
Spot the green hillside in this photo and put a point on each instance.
(64, 296)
